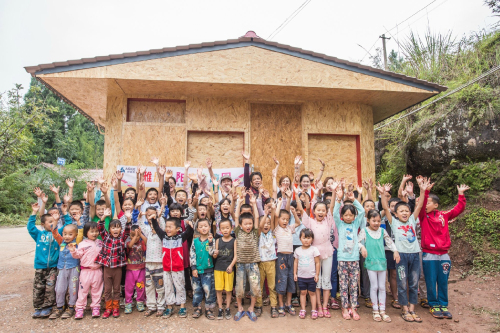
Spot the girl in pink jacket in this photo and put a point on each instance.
(91, 273)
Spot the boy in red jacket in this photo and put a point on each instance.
(435, 245)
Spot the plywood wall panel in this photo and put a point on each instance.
(338, 152)
(217, 114)
(141, 141)
(113, 141)
(367, 144)
(151, 111)
(223, 148)
(275, 130)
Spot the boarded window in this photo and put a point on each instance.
(339, 152)
(223, 148)
(156, 111)
(275, 130)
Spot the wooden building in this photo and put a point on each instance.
(217, 99)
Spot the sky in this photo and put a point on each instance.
(38, 31)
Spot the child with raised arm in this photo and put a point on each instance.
(267, 264)
(371, 244)
(136, 267)
(435, 245)
(173, 263)
(306, 271)
(248, 257)
(285, 261)
(202, 266)
(90, 272)
(46, 259)
(321, 226)
(155, 290)
(68, 269)
(225, 254)
(113, 257)
(403, 225)
(348, 220)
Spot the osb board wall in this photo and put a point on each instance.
(339, 154)
(223, 148)
(156, 111)
(275, 130)
(116, 106)
(141, 141)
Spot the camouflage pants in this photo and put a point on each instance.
(44, 288)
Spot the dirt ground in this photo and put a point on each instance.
(474, 302)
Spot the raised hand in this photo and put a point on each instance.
(407, 178)
(209, 163)
(253, 199)
(387, 187)
(71, 247)
(274, 173)
(90, 186)
(210, 237)
(139, 203)
(366, 185)
(169, 173)
(292, 210)
(298, 160)
(54, 189)
(142, 169)
(70, 182)
(38, 192)
(77, 219)
(339, 193)
(163, 199)
(246, 156)
(322, 163)
(187, 165)
(104, 187)
(419, 179)
(35, 208)
(311, 175)
(107, 212)
(350, 196)
(155, 160)
(265, 194)
(236, 183)
(193, 177)
(114, 181)
(119, 175)
(288, 193)
(161, 170)
(409, 188)
(276, 161)
(142, 186)
(128, 215)
(215, 181)
(66, 198)
(360, 189)
(85, 195)
(64, 208)
(350, 187)
(44, 198)
(380, 189)
(101, 180)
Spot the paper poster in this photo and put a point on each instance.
(151, 177)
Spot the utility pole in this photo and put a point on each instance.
(385, 51)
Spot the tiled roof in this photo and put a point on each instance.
(248, 37)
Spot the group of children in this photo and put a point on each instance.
(207, 242)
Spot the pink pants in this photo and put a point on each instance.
(135, 279)
(90, 280)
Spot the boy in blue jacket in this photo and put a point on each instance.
(46, 257)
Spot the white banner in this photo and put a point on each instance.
(151, 177)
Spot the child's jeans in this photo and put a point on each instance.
(436, 271)
(250, 271)
(334, 278)
(284, 274)
(422, 288)
(67, 280)
(171, 280)
(134, 279)
(90, 280)
(349, 274)
(44, 284)
(364, 279)
(204, 285)
(408, 273)
(155, 290)
(267, 270)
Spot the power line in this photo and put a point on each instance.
(482, 76)
(411, 16)
(409, 25)
(368, 52)
(288, 20)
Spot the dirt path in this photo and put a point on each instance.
(473, 302)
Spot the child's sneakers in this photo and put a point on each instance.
(446, 313)
(79, 314)
(368, 303)
(69, 313)
(140, 306)
(220, 314)
(128, 308)
(424, 303)
(227, 313)
(55, 314)
(96, 312)
(36, 314)
(436, 312)
(116, 312)
(107, 313)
